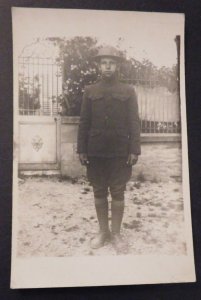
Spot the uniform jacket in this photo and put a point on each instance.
(109, 121)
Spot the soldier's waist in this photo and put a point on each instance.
(107, 131)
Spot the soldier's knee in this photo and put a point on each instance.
(100, 192)
(101, 201)
(117, 193)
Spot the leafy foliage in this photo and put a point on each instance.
(29, 91)
(78, 68)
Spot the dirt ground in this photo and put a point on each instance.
(57, 218)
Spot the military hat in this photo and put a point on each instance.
(108, 51)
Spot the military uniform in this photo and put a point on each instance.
(109, 122)
(109, 130)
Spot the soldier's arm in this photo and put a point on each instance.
(134, 124)
(84, 124)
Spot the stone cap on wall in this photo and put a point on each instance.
(145, 137)
(70, 120)
(160, 137)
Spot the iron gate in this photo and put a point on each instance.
(40, 86)
(40, 95)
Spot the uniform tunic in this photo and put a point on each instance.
(109, 130)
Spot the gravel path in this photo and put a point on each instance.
(57, 218)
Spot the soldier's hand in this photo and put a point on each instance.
(132, 159)
(83, 159)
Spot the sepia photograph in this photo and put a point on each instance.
(100, 170)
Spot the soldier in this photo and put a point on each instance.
(109, 143)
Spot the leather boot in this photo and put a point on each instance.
(117, 208)
(99, 240)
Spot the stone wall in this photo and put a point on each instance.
(159, 162)
(70, 165)
(160, 159)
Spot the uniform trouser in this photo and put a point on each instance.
(108, 174)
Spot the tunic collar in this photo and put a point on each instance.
(109, 82)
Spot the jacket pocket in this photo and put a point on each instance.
(95, 95)
(122, 133)
(121, 142)
(95, 142)
(120, 97)
(97, 105)
(94, 132)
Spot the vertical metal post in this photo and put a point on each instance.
(178, 42)
(145, 122)
(57, 74)
(63, 75)
(51, 99)
(42, 71)
(28, 91)
(23, 97)
(157, 98)
(141, 125)
(167, 114)
(33, 72)
(47, 86)
(38, 80)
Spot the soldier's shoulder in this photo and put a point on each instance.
(92, 86)
(127, 87)
(94, 90)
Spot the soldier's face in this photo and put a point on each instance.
(108, 66)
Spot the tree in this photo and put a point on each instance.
(78, 69)
(29, 91)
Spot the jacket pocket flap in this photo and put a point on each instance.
(96, 96)
(122, 133)
(94, 132)
(121, 97)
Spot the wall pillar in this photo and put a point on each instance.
(70, 165)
